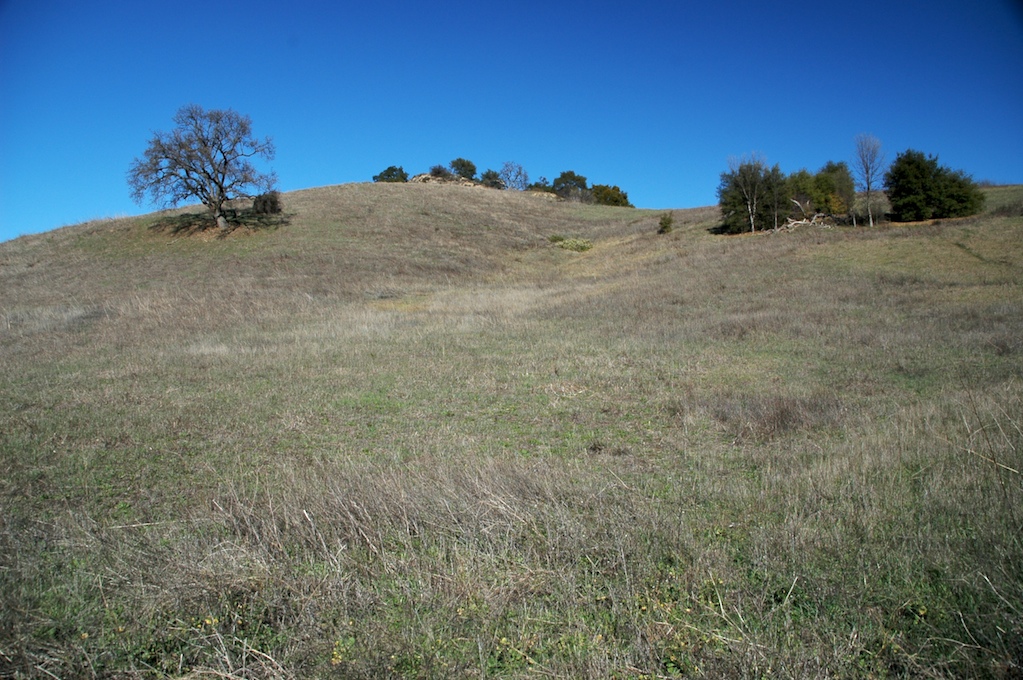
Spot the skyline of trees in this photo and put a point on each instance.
(755, 196)
(568, 185)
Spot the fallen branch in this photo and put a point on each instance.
(818, 220)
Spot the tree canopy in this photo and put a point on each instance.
(610, 195)
(206, 156)
(492, 180)
(570, 185)
(754, 196)
(464, 168)
(835, 189)
(743, 194)
(392, 174)
(921, 189)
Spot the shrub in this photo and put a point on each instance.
(607, 195)
(392, 174)
(267, 204)
(578, 245)
(541, 185)
(440, 172)
(666, 224)
(492, 180)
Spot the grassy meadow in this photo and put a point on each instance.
(401, 433)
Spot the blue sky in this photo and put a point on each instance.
(651, 96)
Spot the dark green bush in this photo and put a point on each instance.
(392, 174)
(267, 204)
(603, 194)
(492, 179)
(920, 189)
(666, 224)
(440, 172)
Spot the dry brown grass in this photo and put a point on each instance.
(402, 434)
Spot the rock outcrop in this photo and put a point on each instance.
(427, 178)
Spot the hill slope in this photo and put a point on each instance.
(404, 434)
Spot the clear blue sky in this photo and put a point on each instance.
(651, 96)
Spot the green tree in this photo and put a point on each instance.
(800, 188)
(958, 195)
(206, 156)
(743, 194)
(607, 195)
(910, 182)
(829, 192)
(921, 189)
(392, 174)
(834, 189)
(569, 185)
(778, 200)
(463, 168)
(492, 179)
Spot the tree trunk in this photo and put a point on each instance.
(221, 218)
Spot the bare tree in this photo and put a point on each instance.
(207, 156)
(868, 164)
(514, 176)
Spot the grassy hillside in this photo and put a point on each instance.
(400, 433)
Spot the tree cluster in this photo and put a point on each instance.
(755, 197)
(572, 186)
(208, 156)
(568, 185)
